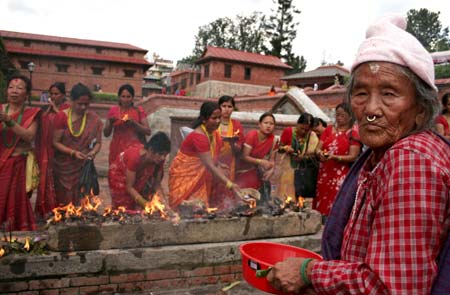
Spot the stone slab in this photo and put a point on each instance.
(60, 264)
(151, 233)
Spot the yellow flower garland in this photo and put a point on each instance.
(69, 123)
(212, 142)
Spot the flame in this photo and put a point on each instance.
(27, 244)
(2, 251)
(125, 117)
(288, 199)
(236, 133)
(300, 201)
(155, 205)
(252, 203)
(88, 206)
(58, 216)
(107, 211)
(211, 210)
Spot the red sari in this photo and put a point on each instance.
(15, 205)
(332, 173)
(222, 197)
(124, 134)
(46, 198)
(189, 179)
(248, 175)
(131, 160)
(67, 169)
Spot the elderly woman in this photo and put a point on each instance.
(387, 231)
(18, 127)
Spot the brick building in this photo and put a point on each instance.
(100, 65)
(234, 72)
(323, 77)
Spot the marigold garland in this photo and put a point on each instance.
(69, 123)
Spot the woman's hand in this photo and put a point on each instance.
(266, 165)
(4, 117)
(323, 156)
(79, 155)
(91, 155)
(285, 275)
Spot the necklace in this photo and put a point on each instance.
(5, 127)
(69, 123)
(211, 141)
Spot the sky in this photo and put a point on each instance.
(328, 30)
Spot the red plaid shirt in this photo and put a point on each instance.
(398, 224)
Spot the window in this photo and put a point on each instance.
(199, 76)
(62, 68)
(247, 73)
(227, 71)
(129, 73)
(24, 64)
(183, 83)
(63, 47)
(26, 43)
(97, 70)
(191, 78)
(206, 71)
(98, 50)
(130, 53)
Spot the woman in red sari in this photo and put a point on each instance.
(192, 170)
(232, 135)
(137, 172)
(77, 137)
(46, 198)
(258, 157)
(339, 146)
(128, 122)
(18, 127)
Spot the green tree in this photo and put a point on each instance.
(427, 28)
(281, 29)
(6, 68)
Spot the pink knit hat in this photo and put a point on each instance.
(387, 40)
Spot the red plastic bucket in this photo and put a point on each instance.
(262, 255)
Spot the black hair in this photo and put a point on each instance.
(126, 87)
(318, 121)
(60, 86)
(445, 98)
(79, 90)
(159, 143)
(306, 118)
(267, 114)
(206, 111)
(24, 79)
(225, 98)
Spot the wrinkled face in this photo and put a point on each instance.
(303, 129)
(126, 99)
(227, 109)
(17, 91)
(56, 95)
(81, 105)
(267, 125)
(384, 94)
(212, 123)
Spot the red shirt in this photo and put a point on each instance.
(398, 224)
(194, 144)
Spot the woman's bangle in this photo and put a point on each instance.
(258, 161)
(10, 123)
(303, 271)
(72, 153)
(229, 184)
(339, 159)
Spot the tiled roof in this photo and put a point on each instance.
(441, 57)
(181, 72)
(78, 55)
(323, 71)
(212, 52)
(64, 40)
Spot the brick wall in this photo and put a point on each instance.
(124, 282)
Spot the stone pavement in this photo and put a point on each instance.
(243, 288)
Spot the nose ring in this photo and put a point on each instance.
(371, 119)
